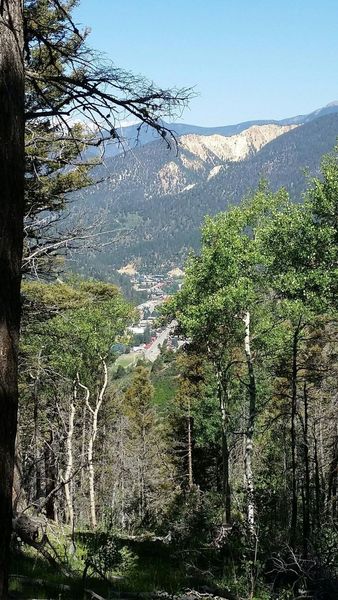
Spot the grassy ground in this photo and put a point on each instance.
(155, 569)
(33, 577)
(127, 360)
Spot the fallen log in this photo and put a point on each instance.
(28, 529)
(43, 582)
(94, 595)
(149, 537)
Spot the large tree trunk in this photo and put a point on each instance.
(11, 239)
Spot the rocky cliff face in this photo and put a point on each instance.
(234, 147)
(205, 155)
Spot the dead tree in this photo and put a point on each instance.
(94, 412)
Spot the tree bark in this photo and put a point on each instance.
(69, 467)
(51, 478)
(294, 501)
(36, 438)
(332, 480)
(306, 515)
(83, 447)
(189, 428)
(250, 427)
(11, 242)
(317, 485)
(90, 451)
(19, 500)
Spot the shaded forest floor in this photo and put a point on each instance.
(153, 570)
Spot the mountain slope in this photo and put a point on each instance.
(162, 215)
(154, 170)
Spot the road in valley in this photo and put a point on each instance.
(153, 352)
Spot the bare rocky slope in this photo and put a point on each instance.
(206, 155)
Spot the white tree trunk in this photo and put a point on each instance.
(69, 467)
(190, 471)
(83, 445)
(249, 479)
(90, 451)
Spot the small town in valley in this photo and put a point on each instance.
(145, 339)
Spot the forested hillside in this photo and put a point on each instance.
(157, 225)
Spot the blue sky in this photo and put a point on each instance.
(247, 59)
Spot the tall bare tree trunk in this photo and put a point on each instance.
(332, 478)
(306, 507)
(92, 503)
(51, 476)
(69, 467)
(317, 484)
(36, 438)
(250, 427)
(83, 445)
(11, 240)
(90, 451)
(223, 405)
(189, 427)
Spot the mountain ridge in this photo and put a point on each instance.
(134, 138)
(161, 224)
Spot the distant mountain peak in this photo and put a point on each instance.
(235, 147)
